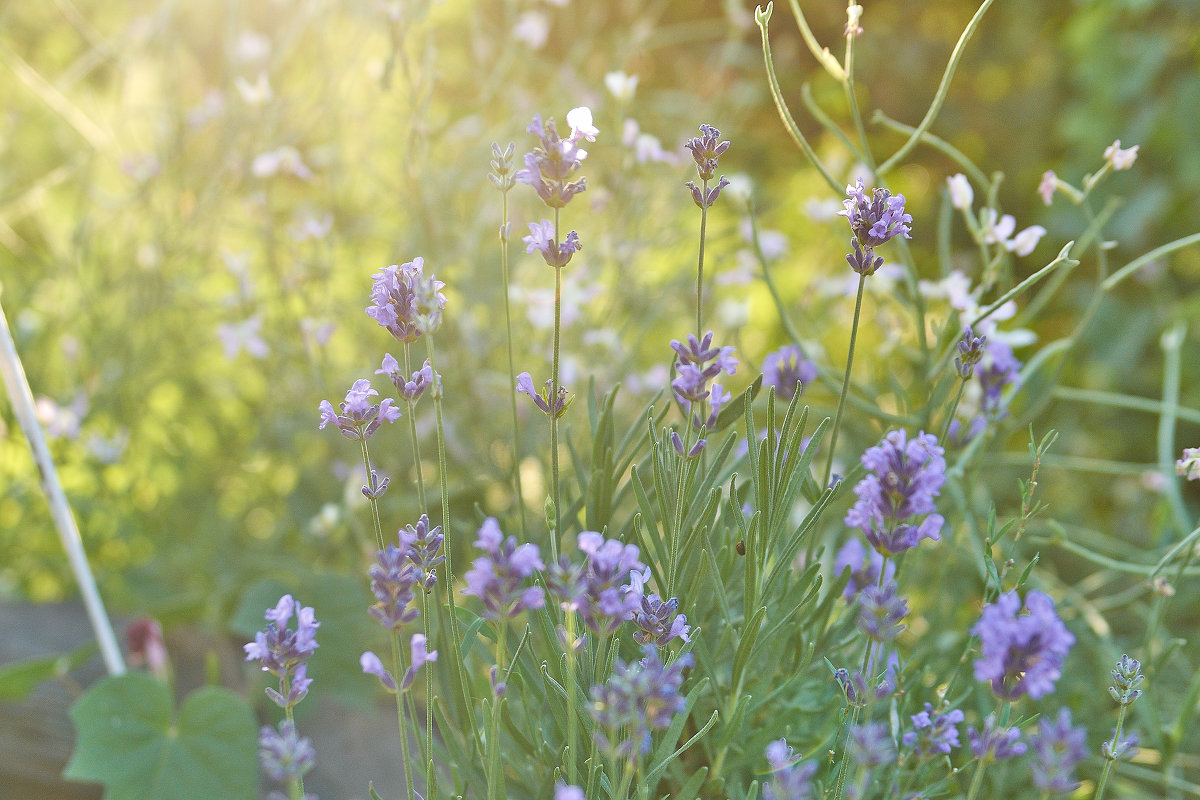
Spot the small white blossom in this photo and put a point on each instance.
(961, 193)
(1023, 243)
(257, 93)
(580, 121)
(1120, 159)
(621, 86)
(996, 229)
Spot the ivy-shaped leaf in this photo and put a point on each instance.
(130, 739)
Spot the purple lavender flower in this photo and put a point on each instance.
(880, 609)
(933, 732)
(705, 150)
(994, 743)
(282, 651)
(421, 544)
(872, 744)
(541, 399)
(790, 780)
(855, 685)
(1000, 369)
(697, 364)
(371, 665)
(1126, 678)
(497, 578)
(420, 656)
(611, 593)
(541, 240)
(873, 221)
(639, 698)
(392, 581)
(358, 418)
(863, 565)
(705, 199)
(970, 353)
(412, 388)
(788, 371)
(402, 297)
(904, 477)
(565, 792)
(1057, 748)
(1021, 653)
(958, 434)
(550, 167)
(283, 754)
(376, 485)
(1114, 749)
(657, 621)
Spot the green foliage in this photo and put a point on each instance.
(132, 740)
(19, 679)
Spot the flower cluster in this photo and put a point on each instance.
(1022, 653)
(970, 353)
(1126, 678)
(1189, 465)
(497, 578)
(873, 220)
(392, 580)
(541, 240)
(541, 399)
(419, 657)
(607, 588)
(639, 698)
(406, 301)
(880, 610)
(698, 363)
(412, 388)
(995, 743)
(998, 370)
(864, 567)
(706, 149)
(284, 755)
(550, 167)
(1057, 748)
(657, 621)
(283, 651)
(904, 477)
(872, 744)
(356, 417)
(933, 732)
(788, 371)
(790, 780)
(422, 545)
(998, 229)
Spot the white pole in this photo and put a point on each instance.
(22, 401)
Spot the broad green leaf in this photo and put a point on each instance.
(130, 739)
(17, 681)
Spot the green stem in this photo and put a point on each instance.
(852, 101)
(495, 770)
(412, 432)
(976, 780)
(296, 785)
(962, 384)
(398, 672)
(554, 534)
(700, 265)
(837, 420)
(1108, 762)
(569, 684)
(512, 387)
(677, 514)
(374, 503)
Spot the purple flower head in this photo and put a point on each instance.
(283, 754)
(790, 780)
(376, 485)
(412, 388)
(1057, 748)
(1126, 678)
(356, 417)
(705, 199)
(864, 567)
(855, 685)
(422, 545)
(639, 698)
(281, 650)
(610, 591)
(933, 732)
(403, 299)
(657, 621)
(541, 399)
(880, 610)
(691, 452)
(994, 743)
(970, 353)
(371, 665)
(705, 150)
(697, 365)
(392, 582)
(864, 262)
(872, 744)
(541, 240)
(1022, 653)
(1115, 749)
(497, 578)
(788, 371)
(960, 434)
(999, 369)
(564, 792)
(420, 657)
(550, 167)
(895, 508)
(876, 219)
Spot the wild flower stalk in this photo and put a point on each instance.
(1056, 748)
(550, 169)
(706, 150)
(874, 221)
(970, 353)
(503, 178)
(1127, 677)
(994, 742)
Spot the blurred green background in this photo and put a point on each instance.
(194, 195)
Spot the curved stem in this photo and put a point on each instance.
(852, 100)
(374, 503)
(837, 420)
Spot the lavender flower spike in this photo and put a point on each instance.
(1057, 748)
(657, 621)
(611, 592)
(873, 220)
(283, 754)
(705, 150)
(788, 371)
(790, 780)
(994, 743)
(895, 508)
(933, 732)
(497, 578)
(1021, 653)
(550, 167)
(283, 651)
(392, 582)
(357, 418)
(403, 297)
(541, 240)
(541, 399)
(638, 698)
(880, 610)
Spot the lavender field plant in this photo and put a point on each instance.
(808, 524)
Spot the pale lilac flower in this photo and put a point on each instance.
(877, 219)
(790, 780)
(788, 371)
(621, 86)
(610, 592)
(579, 120)
(497, 578)
(541, 240)
(1024, 242)
(994, 743)
(238, 336)
(564, 792)
(282, 651)
(864, 567)
(880, 610)
(970, 353)
(705, 199)
(393, 578)
(895, 508)
(283, 754)
(371, 665)
(1021, 653)
(401, 296)
(706, 149)
(1058, 747)
(284, 160)
(1126, 678)
(357, 417)
(697, 364)
(412, 388)
(637, 698)
(423, 544)
(1189, 464)
(1120, 159)
(657, 621)
(550, 167)
(872, 744)
(933, 732)
(961, 193)
(996, 229)
(420, 657)
(999, 369)
(1048, 186)
(1114, 749)
(532, 28)
(541, 399)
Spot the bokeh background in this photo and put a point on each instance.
(194, 195)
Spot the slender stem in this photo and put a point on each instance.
(1108, 762)
(495, 771)
(852, 101)
(554, 534)
(412, 431)
(296, 785)
(821, 54)
(977, 780)
(374, 502)
(837, 420)
(962, 384)
(569, 684)
(700, 265)
(428, 698)
(398, 671)
(677, 516)
(508, 339)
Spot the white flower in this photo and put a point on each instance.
(237, 336)
(621, 86)
(251, 47)
(285, 160)
(1120, 159)
(1023, 243)
(996, 231)
(532, 28)
(1189, 465)
(961, 193)
(580, 120)
(257, 93)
